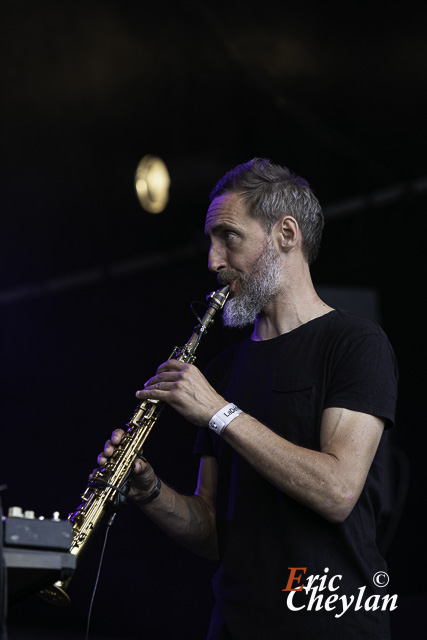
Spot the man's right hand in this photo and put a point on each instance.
(143, 479)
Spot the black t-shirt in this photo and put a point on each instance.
(337, 360)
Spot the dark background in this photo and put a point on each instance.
(94, 292)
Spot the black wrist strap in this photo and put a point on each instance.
(155, 492)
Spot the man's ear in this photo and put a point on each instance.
(287, 233)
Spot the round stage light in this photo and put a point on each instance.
(152, 182)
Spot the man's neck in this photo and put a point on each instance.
(289, 310)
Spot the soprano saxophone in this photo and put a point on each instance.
(108, 485)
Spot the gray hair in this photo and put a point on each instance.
(272, 191)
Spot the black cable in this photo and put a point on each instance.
(195, 312)
(3, 578)
(110, 522)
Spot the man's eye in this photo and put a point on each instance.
(229, 235)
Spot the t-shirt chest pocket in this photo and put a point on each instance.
(293, 410)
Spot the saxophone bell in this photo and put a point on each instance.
(56, 593)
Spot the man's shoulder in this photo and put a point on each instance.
(351, 324)
(351, 334)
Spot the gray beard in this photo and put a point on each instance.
(257, 289)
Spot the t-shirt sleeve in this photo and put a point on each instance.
(364, 377)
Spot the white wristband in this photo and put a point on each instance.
(223, 417)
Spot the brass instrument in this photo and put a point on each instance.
(109, 484)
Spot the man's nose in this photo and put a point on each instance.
(216, 259)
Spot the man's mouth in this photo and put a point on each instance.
(233, 283)
(233, 286)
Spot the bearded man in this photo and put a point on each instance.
(292, 423)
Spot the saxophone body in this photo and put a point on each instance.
(107, 490)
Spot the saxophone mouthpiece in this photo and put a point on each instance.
(218, 298)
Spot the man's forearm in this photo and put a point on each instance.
(187, 519)
(328, 481)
